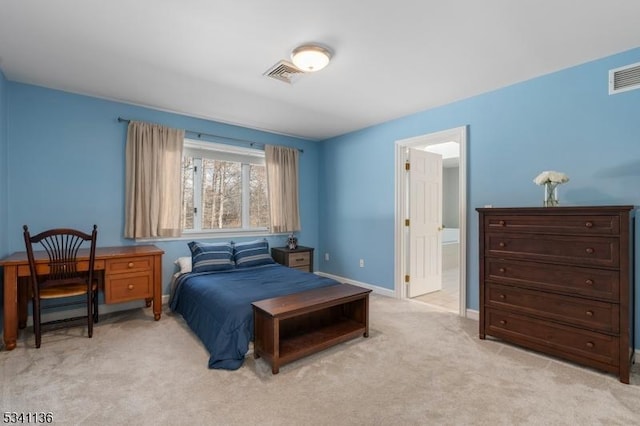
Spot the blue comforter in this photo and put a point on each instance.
(217, 305)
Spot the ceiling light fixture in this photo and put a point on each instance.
(310, 57)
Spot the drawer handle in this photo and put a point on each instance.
(589, 313)
(501, 223)
(588, 282)
(130, 265)
(502, 270)
(502, 296)
(590, 345)
(589, 250)
(503, 322)
(300, 259)
(588, 224)
(502, 244)
(130, 286)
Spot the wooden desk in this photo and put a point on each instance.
(128, 272)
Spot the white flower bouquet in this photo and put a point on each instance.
(550, 176)
(551, 180)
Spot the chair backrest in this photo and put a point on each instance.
(61, 246)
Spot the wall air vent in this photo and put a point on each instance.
(284, 71)
(624, 78)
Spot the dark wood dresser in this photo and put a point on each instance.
(559, 280)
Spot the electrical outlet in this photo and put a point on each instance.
(362, 263)
(326, 257)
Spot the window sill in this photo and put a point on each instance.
(192, 236)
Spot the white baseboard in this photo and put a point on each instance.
(469, 313)
(376, 289)
(102, 309)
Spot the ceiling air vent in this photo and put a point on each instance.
(284, 71)
(624, 78)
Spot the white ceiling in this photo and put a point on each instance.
(205, 58)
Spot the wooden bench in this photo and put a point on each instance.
(290, 327)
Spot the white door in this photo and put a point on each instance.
(425, 222)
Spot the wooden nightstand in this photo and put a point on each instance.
(300, 258)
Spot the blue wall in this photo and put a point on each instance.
(3, 167)
(66, 152)
(3, 178)
(67, 166)
(564, 121)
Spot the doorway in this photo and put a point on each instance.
(451, 255)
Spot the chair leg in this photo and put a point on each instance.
(95, 307)
(36, 321)
(90, 314)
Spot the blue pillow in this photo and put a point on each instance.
(209, 257)
(253, 253)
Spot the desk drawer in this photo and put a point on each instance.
(131, 264)
(126, 287)
(43, 268)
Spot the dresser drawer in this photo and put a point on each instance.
(126, 287)
(297, 260)
(569, 342)
(554, 224)
(589, 282)
(589, 251)
(599, 316)
(132, 264)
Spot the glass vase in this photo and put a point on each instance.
(550, 194)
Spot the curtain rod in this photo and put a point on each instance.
(200, 134)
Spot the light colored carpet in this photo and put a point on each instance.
(419, 366)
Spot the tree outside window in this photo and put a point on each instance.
(223, 191)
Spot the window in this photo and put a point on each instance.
(224, 188)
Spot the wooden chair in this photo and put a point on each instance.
(67, 277)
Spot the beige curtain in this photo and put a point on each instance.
(153, 192)
(282, 183)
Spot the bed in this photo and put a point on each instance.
(216, 304)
